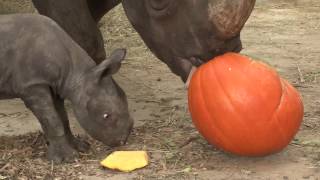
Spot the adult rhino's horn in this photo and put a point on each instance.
(229, 16)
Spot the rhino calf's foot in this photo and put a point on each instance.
(80, 145)
(60, 150)
(77, 143)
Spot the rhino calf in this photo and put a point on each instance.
(42, 65)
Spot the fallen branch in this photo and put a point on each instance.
(300, 75)
(189, 141)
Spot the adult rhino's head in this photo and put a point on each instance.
(186, 32)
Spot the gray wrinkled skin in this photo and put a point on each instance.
(75, 18)
(181, 33)
(42, 65)
(79, 19)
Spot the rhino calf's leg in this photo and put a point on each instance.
(78, 144)
(41, 102)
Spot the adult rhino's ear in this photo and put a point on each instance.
(111, 65)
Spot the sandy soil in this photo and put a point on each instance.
(283, 33)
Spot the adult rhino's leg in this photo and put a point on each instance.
(75, 18)
(99, 8)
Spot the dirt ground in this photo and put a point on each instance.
(283, 33)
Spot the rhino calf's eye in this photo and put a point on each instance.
(105, 116)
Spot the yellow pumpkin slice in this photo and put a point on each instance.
(126, 161)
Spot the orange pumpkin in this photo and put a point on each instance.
(243, 106)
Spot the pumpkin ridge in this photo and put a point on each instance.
(217, 130)
(275, 112)
(287, 86)
(212, 69)
(292, 92)
(281, 97)
(238, 115)
(272, 71)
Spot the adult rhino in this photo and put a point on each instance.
(181, 33)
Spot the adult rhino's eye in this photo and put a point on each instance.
(161, 8)
(159, 4)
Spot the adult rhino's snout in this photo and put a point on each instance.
(229, 16)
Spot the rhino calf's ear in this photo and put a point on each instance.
(111, 65)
